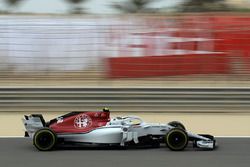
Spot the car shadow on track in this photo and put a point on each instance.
(118, 148)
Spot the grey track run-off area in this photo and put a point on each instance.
(19, 152)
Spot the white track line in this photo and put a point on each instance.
(232, 136)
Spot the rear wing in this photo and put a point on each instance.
(32, 123)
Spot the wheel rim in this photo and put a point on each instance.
(177, 140)
(45, 140)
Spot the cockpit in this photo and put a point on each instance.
(128, 120)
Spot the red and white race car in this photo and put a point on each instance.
(96, 128)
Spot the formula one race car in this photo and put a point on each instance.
(96, 128)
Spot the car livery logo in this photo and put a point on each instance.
(82, 121)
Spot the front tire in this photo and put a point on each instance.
(177, 124)
(44, 139)
(176, 139)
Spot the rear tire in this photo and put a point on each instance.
(44, 139)
(176, 139)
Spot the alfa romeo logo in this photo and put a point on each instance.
(82, 121)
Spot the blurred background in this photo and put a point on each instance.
(186, 57)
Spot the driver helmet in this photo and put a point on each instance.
(105, 109)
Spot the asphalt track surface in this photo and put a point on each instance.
(19, 152)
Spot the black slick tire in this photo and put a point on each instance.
(176, 139)
(44, 139)
(177, 124)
